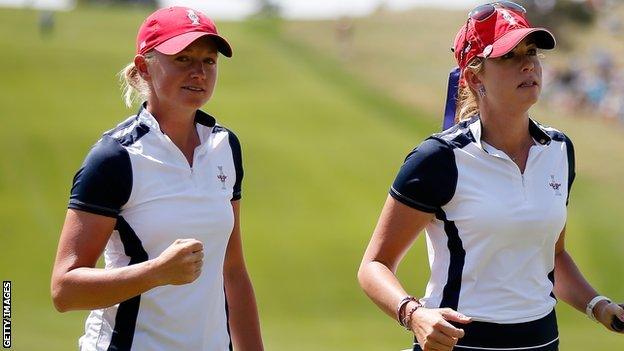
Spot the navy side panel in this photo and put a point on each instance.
(551, 277)
(571, 165)
(125, 320)
(227, 318)
(450, 294)
(428, 178)
(238, 164)
(104, 182)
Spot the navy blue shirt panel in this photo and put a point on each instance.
(558, 136)
(571, 165)
(238, 165)
(428, 177)
(104, 182)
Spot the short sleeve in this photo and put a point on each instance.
(238, 165)
(103, 183)
(428, 177)
(571, 164)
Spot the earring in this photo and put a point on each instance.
(481, 91)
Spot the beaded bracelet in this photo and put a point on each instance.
(401, 307)
(407, 320)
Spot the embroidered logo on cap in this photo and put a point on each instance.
(508, 17)
(193, 17)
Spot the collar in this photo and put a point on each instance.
(148, 119)
(535, 130)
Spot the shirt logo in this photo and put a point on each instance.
(222, 177)
(193, 17)
(555, 185)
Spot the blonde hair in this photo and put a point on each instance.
(134, 88)
(467, 102)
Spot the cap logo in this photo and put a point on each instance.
(508, 17)
(193, 17)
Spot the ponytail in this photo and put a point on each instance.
(134, 88)
(467, 102)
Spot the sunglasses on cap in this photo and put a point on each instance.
(482, 13)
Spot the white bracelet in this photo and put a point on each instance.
(589, 310)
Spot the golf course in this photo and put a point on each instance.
(322, 138)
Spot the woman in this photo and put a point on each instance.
(491, 193)
(160, 195)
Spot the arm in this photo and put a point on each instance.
(77, 285)
(396, 230)
(573, 288)
(243, 313)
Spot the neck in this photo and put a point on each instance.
(505, 130)
(178, 123)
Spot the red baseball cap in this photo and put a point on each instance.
(497, 35)
(169, 30)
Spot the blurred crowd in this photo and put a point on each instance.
(591, 85)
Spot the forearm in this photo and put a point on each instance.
(570, 285)
(92, 288)
(243, 312)
(381, 285)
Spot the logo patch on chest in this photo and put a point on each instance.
(222, 177)
(555, 185)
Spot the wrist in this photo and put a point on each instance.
(595, 305)
(599, 309)
(410, 311)
(152, 272)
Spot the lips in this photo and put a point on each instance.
(528, 83)
(193, 88)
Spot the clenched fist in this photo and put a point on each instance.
(180, 263)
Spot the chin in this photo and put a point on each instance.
(195, 104)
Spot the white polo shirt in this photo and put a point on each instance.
(137, 175)
(491, 244)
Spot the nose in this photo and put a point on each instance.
(198, 70)
(528, 63)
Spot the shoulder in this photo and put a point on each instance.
(459, 135)
(553, 133)
(128, 132)
(107, 152)
(441, 145)
(431, 151)
(233, 140)
(218, 128)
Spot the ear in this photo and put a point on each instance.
(141, 65)
(473, 81)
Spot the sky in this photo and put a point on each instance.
(293, 9)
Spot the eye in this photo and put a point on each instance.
(210, 61)
(182, 58)
(508, 55)
(532, 52)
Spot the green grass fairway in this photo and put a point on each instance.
(321, 146)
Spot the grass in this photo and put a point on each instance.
(321, 145)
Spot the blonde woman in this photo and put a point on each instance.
(160, 196)
(491, 193)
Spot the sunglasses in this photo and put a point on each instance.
(483, 12)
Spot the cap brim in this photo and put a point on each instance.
(178, 43)
(543, 39)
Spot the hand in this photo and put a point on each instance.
(180, 263)
(606, 313)
(434, 332)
